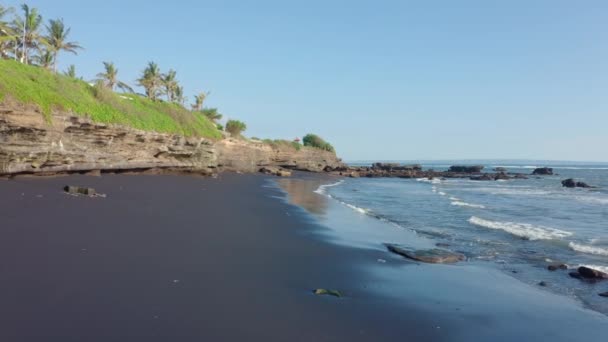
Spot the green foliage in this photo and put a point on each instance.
(71, 71)
(282, 144)
(211, 114)
(57, 40)
(235, 127)
(315, 141)
(49, 91)
(219, 127)
(152, 80)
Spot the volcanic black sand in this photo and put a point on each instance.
(177, 258)
(180, 258)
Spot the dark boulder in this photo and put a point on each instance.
(433, 256)
(484, 177)
(500, 169)
(604, 294)
(555, 267)
(590, 273)
(545, 171)
(571, 183)
(396, 167)
(78, 190)
(542, 283)
(466, 168)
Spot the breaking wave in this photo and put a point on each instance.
(524, 230)
(321, 189)
(588, 249)
(468, 205)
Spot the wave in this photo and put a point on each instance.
(442, 193)
(592, 200)
(524, 230)
(454, 199)
(469, 205)
(588, 249)
(321, 189)
(432, 181)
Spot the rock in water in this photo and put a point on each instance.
(555, 267)
(432, 256)
(77, 190)
(322, 292)
(605, 294)
(500, 169)
(466, 168)
(545, 171)
(571, 183)
(590, 273)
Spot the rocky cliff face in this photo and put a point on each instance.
(29, 144)
(238, 155)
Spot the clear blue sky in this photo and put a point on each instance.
(378, 79)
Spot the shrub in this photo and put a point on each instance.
(219, 127)
(316, 141)
(235, 127)
(281, 143)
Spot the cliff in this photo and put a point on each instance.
(32, 145)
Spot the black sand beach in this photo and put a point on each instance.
(177, 258)
(171, 258)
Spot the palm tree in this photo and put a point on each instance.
(71, 72)
(170, 84)
(179, 95)
(44, 59)
(7, 36)
(198, 101)
(212, 114)
(57, 40)
(109, 78)
(151, 80)
(27, 31)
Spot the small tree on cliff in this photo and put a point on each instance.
(235, 127)
(316, 141)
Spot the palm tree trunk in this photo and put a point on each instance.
(55, 61)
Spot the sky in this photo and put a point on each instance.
(380, 80)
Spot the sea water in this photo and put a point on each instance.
(518, 226)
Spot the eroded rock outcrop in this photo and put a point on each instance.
(29, 144)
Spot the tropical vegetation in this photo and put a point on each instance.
(316, 141)
(30, 51)
(235, 127)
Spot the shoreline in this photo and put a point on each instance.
(460, 294)
(194, 258)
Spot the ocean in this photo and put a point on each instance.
(516, 226)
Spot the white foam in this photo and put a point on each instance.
(593, 200)
(432, 181)
(524, 230)
(442, 193)
(321, 189)
(588, 249)
(469, 205)
(454, 199)
(355, 208)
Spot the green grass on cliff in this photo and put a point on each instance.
(33, 85)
